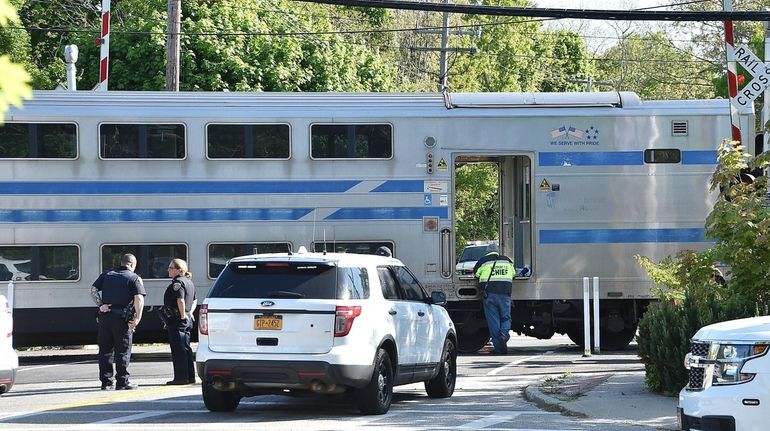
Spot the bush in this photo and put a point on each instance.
(667, 327)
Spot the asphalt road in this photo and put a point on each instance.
(60, 390)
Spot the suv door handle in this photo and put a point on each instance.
(392, 312)
(421, 313)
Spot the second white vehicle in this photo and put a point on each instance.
(9, 360)
(729, 381)
(322, 323)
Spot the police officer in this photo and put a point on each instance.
(179, 302)
(120, 297)
(495, 273)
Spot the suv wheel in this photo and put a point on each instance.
(219, 401)
(443, 385)
(376, 396)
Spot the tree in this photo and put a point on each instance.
(265, 45)
(477, 203)
(651, 66)
(14, 80)
(283, 45)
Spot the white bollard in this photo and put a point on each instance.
(596, 315)
(586, 318)
(11, 294)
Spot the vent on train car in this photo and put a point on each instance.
(679, 128)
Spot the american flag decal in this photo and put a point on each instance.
(575, 133)
(561, 131)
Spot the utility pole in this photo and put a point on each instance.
(766, 99)
(174, 25)
(445, 50)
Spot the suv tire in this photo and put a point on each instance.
(376, 396)
(443, 385)
(219, 401)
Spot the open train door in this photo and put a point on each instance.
(493, 203)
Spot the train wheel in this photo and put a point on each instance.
(471, 342)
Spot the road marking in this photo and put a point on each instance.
(516, 362)
(493, 419)
(114, 397)
(128, 418)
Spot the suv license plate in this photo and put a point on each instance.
(271, 322)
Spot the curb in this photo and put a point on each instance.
(546, 402)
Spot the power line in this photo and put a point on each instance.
(609, 15)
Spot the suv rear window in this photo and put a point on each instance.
(300, 280)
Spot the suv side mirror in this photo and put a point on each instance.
(437, 297)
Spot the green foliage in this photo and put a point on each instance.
(667, 327)
(14, 80)
(690, 297)
(649, 65)
(477, 203)
(740, 221)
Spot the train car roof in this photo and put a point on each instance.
(208, 104)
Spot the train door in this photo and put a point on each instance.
(493, 204)
(515, 214)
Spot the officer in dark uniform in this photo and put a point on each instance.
(120, 297)
(179, 302)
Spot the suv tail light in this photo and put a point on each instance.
(203, 319)
(343, 319)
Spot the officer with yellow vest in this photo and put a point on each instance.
(495, 273)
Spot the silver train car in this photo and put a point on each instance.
(586, 181)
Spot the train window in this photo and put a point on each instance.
(247, 141)
(369, 247)
(151, 259)
(351, 141)
(220, 253)
(142, 141)
(662, 155)
(39, 263)
(38, 141)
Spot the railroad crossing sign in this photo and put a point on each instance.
(758, 69)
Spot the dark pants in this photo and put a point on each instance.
(114, 340)
(181, 352)
(497, 309)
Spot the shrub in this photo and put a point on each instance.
(667, 327)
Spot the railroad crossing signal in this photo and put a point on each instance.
(758, 69)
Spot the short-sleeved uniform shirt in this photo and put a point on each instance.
(180, 287)
(119, 287)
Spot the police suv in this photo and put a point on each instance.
(322, 323)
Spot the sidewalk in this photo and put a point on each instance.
(607, 387)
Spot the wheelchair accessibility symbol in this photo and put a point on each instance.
(428, 200)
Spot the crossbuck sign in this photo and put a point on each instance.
(758, 69)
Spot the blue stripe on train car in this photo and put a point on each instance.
(172, 187)
(401, 186)
(403, 213)
(617, 158)
(151, 215)
(699, 157)
(615, 236)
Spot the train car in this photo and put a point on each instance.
(586, 181)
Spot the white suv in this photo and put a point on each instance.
(729, 377)
(322, 323)
(9, 360)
